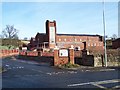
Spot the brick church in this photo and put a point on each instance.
(50, 39)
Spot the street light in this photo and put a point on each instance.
(105, 55)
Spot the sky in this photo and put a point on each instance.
(71, 17)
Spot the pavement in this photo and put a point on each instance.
(35, 74)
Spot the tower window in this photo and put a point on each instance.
(94, 44)
(91, 44)
(75, 39)
(59, 39)
(65, 39)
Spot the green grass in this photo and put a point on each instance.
(2, 69)
(7, 47)
(3, 47)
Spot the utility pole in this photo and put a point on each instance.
(105, 54)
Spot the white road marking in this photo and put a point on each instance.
(71, 85)
(108, 81)
(7, 65)
(14, 67)
(98, 82)
(49, 73)
(99, 86)
(56, 73)
(21, 67)
(116, 87)
(37, 70)
(72, 72)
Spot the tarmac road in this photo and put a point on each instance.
(31, 74)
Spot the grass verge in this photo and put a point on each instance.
(69, 65)
(2, 69)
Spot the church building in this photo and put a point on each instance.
(51, 38)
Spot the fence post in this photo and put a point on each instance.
(71, 54)
(56, 56)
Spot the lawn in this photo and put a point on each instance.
(6, 47)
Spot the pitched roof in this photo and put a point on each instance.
(72, 34)
(78, 35)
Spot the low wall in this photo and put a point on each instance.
(113, 57)
(62, 60)
(98, 61)
(78, 53)
(78, 60)
(6, 53)
(35, 53)
(63, 56)
(37, 58)
(88, 60)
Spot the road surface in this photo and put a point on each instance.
(32, 74)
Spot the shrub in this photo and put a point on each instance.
(69, 65)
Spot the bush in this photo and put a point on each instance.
(69, 65)
(12, 42)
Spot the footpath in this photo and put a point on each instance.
(92, 69)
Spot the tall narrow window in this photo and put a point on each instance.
(59, 39)
(65, 39)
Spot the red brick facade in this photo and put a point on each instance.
(50, 39)
(116, 43)
(60, 60)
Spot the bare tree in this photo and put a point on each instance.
(25, 38)
(114, 36)
(10, 32)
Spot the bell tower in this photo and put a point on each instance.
(51, 33)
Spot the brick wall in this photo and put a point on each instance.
(97, 60)
(5, 53)
(60, 60)
(116, 43)
(63, 60)
(78, 53)
(35, 53)
(92, 42)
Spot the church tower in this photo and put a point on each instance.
(51, 33)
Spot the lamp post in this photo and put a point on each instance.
(105, 55)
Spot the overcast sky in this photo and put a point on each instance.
(71, 17)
